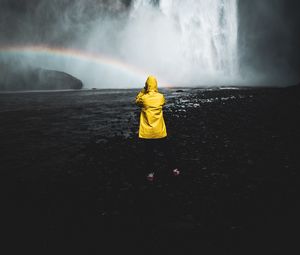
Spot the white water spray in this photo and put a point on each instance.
(183, 43)
(191, 41)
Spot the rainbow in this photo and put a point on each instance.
(80, 55)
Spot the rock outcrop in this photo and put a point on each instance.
(36, 79)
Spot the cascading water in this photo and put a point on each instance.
(198, 38)
(182, 42)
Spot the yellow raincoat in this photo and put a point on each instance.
(152, 124)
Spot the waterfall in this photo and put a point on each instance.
(204, 37)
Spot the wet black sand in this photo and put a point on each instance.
(73, 173)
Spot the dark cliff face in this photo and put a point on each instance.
(269, 37)
(58, 22)
(36, 79)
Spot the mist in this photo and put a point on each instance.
(183, 43)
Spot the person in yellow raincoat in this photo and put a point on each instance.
(152, 128)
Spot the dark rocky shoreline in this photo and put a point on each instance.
(74, 172)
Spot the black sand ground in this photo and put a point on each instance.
(73, 173)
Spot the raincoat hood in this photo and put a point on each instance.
(151, 84)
